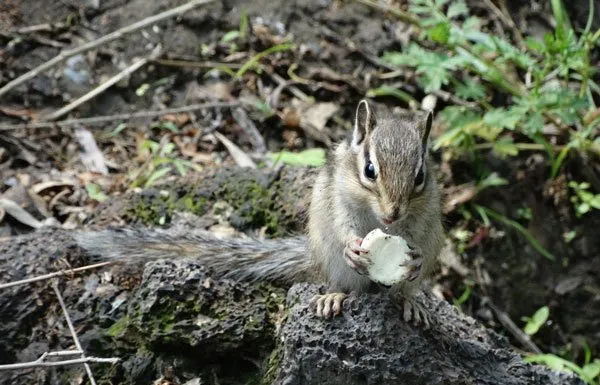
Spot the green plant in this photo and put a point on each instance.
(95, 193)
(583, 200)
(589, 372)
(231, 37)
(486, 213)
(548, 82)
(311, 157)
(466, 294)
(161, 160)
(536, 321)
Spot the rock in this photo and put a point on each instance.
(377, 347)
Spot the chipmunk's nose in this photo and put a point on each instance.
(392, 216)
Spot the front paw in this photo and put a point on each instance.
(327, 305)
(414, 264)
(355, 258)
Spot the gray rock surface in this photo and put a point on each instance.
(377, 347)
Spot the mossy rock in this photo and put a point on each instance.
(187, 319)
(274, 200)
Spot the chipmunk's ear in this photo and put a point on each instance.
(426, 130)
(364, 122)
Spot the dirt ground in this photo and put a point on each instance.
(60, 173)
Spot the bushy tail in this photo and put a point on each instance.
(282, 260)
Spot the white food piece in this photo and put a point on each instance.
(387, 253)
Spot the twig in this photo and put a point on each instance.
(55, 274)
(397, 12)
(46, 27)
(102, 87)
(506, 19)
(113, 118)
(37, 363)
(72, 329)
(104, 39)
(196, 64)
(514, 329)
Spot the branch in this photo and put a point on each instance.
(111, 118)
(41, 363)
(104, 86)
(88, 370)
(55, 274)
(103, 40)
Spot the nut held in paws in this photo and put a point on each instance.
(387, 253)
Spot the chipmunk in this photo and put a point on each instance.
(381, 176)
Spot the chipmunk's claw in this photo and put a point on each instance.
(353, 257)
(327, 305)
(416, 313)
(414, 264)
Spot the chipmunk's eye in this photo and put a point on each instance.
(420, 177)
(419, 181)
(370, 171)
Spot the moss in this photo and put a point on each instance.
(257, 198)
(118, 327)
(273, 363)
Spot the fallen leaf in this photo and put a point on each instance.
(568, 284)
(239, 156)
(318, 114)
(211, 91)
(178, 119)
(458, 195)
(91, 156)
(20, 214)
(39, 187)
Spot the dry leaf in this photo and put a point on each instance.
(239, 156)
(91, 156)
(318, 114)
(20, 214)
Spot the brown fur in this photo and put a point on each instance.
(344, 206)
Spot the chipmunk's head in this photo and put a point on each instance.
(390, 155)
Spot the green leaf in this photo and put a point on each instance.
(167, 125)
(95, 192)
(156, 175)
(502, 118)
(538, 319)
(458, 118)
(118, 130)
(595, 202)
(398, 59)
(440, 33)
(558, 363)
(533, 123)
(464, 296)
(141, 90)
(505, 147)
(311, 157)
(517, 226)
(591, 370)
(569, 236)
(390, 91)
(457, 8)
(535, 45)
(470, 89)
(180, 166)
(230, 36)
(557, 163)
(491, 180)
